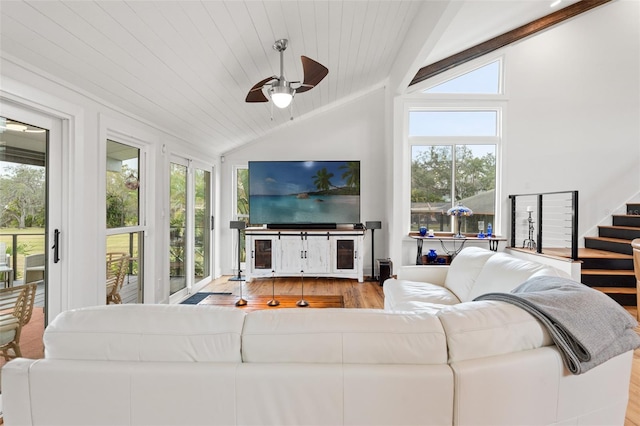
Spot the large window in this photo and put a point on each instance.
(454, 145)
(124, 224)
(445, 175)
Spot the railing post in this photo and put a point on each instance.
(574, 226)
(539, 242)
(513, 220)
(14, 255)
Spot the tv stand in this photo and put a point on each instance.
(313, 252)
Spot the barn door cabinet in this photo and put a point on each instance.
(314, 253)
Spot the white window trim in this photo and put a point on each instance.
(118, 131)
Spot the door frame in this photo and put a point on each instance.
(195, 164)
(191, 286)
(56, 272)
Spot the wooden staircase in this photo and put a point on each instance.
(607, 261)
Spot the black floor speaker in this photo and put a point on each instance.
(385, 268)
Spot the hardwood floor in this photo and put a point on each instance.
(370, 295)
(356, 295)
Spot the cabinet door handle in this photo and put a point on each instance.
(301, 254)
(305, 254)
(355, 254)
(252, 254)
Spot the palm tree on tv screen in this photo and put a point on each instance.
(322, 179)
(351, 175)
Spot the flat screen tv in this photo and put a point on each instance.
(304, 192)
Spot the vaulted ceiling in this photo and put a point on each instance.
(186, 66)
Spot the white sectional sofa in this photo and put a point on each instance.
(444, 362)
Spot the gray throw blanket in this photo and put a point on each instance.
(587, 326)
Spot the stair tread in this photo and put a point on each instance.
(610, 239)
(626, 272)
(587, 253)
(616, 290)
(626, 227)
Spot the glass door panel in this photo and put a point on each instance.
(202, 223)
(30, 193)
(177, 228)
(130, 276)
(345, 254)
(263, 254)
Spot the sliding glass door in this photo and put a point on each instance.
(190, 227)
(31, 197)
(203, 224)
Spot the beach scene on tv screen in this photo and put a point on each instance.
(296, 192)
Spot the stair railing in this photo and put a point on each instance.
(545, 220)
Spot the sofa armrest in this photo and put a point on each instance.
(16, 398)
(434, 274)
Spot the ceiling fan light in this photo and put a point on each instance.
(281, 96)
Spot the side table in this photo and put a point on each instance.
(452, 245)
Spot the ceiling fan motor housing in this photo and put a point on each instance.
(279, 89)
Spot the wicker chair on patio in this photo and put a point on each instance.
(117, 264)
(16, 307)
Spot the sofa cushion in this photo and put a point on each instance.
(464, 270)
(488, 328)
(419, 306)
(398, 292)
(134, 332)
(343, 336)
(503, 272)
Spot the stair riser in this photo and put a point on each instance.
(624, 248)
(622, 233)
(608, 280)
(600, 263)
(626, 221)
(624, 299)
(633, 209)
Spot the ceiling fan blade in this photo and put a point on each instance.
(314, 72)
(256, 94)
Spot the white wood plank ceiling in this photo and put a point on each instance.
(187, 66)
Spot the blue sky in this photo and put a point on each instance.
(290, 177)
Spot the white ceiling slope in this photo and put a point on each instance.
(186, 66)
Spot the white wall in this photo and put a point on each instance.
(572, 118)
(351, 131)
(574, 114)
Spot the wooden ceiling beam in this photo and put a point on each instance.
(505, 39)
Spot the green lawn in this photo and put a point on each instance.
(32, 241)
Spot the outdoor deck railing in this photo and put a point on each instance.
(15, 245)
(545, 220)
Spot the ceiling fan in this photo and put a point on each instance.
(279, 89)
